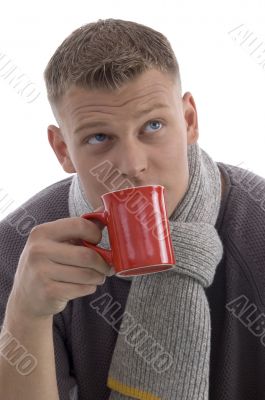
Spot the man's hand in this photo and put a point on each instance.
(54, 267)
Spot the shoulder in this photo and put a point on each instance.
(246, 181)
(242, 227)
(45, 204)
(244, 211)
(49, 204)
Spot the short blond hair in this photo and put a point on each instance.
(105, 55)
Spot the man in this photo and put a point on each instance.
(115, 91)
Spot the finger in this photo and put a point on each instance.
(78, 256)
(77, 275)
(97, 222)
(75, 228)
(69, 291)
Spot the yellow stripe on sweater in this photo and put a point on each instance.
(130, 391)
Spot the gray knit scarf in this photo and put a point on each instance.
(163, 347)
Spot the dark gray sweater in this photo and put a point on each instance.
(84, 340)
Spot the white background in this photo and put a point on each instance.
(227, 82)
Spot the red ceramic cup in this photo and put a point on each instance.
(139, 233)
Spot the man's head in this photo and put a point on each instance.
(112, 72)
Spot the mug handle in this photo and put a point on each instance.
(101, 217)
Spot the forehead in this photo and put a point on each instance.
(150, 86)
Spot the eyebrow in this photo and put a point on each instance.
(97, 124)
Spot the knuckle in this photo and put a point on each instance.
(36, 249)
(35, 231)
(38, 231)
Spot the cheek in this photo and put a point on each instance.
(82, 160)
(175, 170)
(174, 156)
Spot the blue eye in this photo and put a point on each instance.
(154, 123)
(99, 136)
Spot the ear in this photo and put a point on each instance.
(191, 118)
(59, 147)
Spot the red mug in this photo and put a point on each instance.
(139, 232)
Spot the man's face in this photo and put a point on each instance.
(140, 135)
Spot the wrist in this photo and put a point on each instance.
(17, 315)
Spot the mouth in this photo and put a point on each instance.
(130, 186)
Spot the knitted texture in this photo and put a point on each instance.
(170, 309)
(84, 341)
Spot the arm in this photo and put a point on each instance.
(51, 270)
(35, 378)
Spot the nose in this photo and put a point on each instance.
(132, 159)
